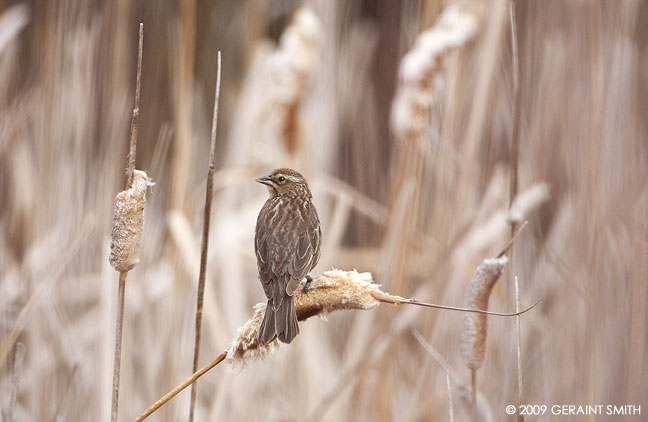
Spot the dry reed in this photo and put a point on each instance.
(209, 192)
(514, 184)
(128, 225)
(519, 347)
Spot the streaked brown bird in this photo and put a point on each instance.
(287, 246)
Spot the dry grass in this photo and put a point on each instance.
(67, 72)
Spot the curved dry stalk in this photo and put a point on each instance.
(397, 300)
(205, 237)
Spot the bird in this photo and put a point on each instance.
(287, 247)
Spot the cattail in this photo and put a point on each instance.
(421, 70)
(334, 290)
(338, 290)
(128, 222)
(291, 67)
(246, 344)
(473, 334)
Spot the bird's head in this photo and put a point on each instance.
(285, 181)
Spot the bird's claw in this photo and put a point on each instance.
(309, 279)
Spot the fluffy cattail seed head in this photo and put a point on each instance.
(473, 333)
(128, 222)
(333, 290)
(422, 69)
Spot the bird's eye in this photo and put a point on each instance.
(281, 179)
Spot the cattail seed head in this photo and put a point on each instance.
(333, 290)
(246, 345)
(128, 222)
(291, 68)
(421, 71)
(473, 333)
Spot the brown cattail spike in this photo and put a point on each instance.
(128, 222)
(473, 333)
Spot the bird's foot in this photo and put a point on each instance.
(309, 280)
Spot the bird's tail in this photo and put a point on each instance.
(286, 320)
(268, 330)
(282, 322)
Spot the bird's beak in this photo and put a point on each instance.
(265, 180)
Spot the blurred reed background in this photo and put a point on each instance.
(420, 208)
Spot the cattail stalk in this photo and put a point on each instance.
(135, 115)
(114, 409)
(189, 381)
(128, 222)
(519, 348)
(205, 237)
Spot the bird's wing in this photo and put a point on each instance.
(306, 247)
(269, 251)
(274, 240)
(287, 246)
